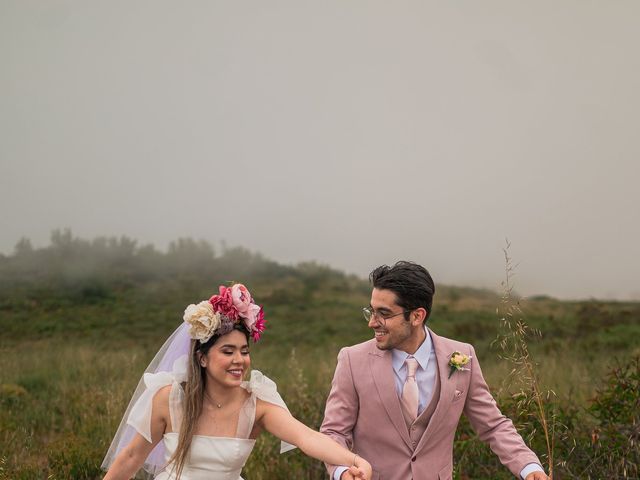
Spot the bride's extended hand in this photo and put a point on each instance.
(361, 469)
(355, 473)
(280, 423)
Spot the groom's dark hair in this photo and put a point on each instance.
(411, 283)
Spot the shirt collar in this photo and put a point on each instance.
(422, 354)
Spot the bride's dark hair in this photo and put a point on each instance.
(193, 397)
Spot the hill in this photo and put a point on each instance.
(80, 319)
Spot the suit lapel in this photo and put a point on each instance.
(382, 373)
(447, 388)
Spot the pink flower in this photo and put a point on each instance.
(241, 298)
(259, 326)
(223, 303)
(236, 304)
(251, 316)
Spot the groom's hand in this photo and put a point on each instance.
(537, 476)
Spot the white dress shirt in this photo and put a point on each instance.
(425, 374)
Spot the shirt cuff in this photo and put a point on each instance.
(339, 470)
(530, 468)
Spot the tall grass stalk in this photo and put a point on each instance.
(513, 343)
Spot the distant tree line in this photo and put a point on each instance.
(76, 266)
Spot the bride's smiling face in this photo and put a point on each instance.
(228, 359)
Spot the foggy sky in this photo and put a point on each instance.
(353, 133)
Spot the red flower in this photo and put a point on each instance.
(259, 327)
(223, 303)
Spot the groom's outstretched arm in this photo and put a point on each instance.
(492, 426)
(341, 411)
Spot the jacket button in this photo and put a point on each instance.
(413, 459)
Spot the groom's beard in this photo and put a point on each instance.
(394, 336)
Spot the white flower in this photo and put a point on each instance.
(203, 321)
(457, 361)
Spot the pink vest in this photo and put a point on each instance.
(419, 425)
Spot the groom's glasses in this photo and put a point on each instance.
(381, 318)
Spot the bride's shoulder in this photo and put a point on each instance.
(163, 392)
(161, 399)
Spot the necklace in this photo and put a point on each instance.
(219, 405)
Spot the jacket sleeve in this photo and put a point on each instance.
(341, 411)
(492, 426)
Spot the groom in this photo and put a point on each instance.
(393, 400)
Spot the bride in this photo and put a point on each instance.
(193, 417)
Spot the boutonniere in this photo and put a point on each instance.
(457, 361)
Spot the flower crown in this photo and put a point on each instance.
(219, 314)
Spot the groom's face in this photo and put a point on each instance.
(394, 331)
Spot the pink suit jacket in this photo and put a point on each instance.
(363, 413)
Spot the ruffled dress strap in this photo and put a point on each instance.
(246, 418)
(140, 415)
(176, 404)
(262, 387)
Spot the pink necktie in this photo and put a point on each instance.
(410, 389)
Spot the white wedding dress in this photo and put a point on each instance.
(210, 458)
(213, 458)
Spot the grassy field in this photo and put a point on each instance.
(73, 345)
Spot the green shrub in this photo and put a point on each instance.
(616, 440)
(12, 395)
